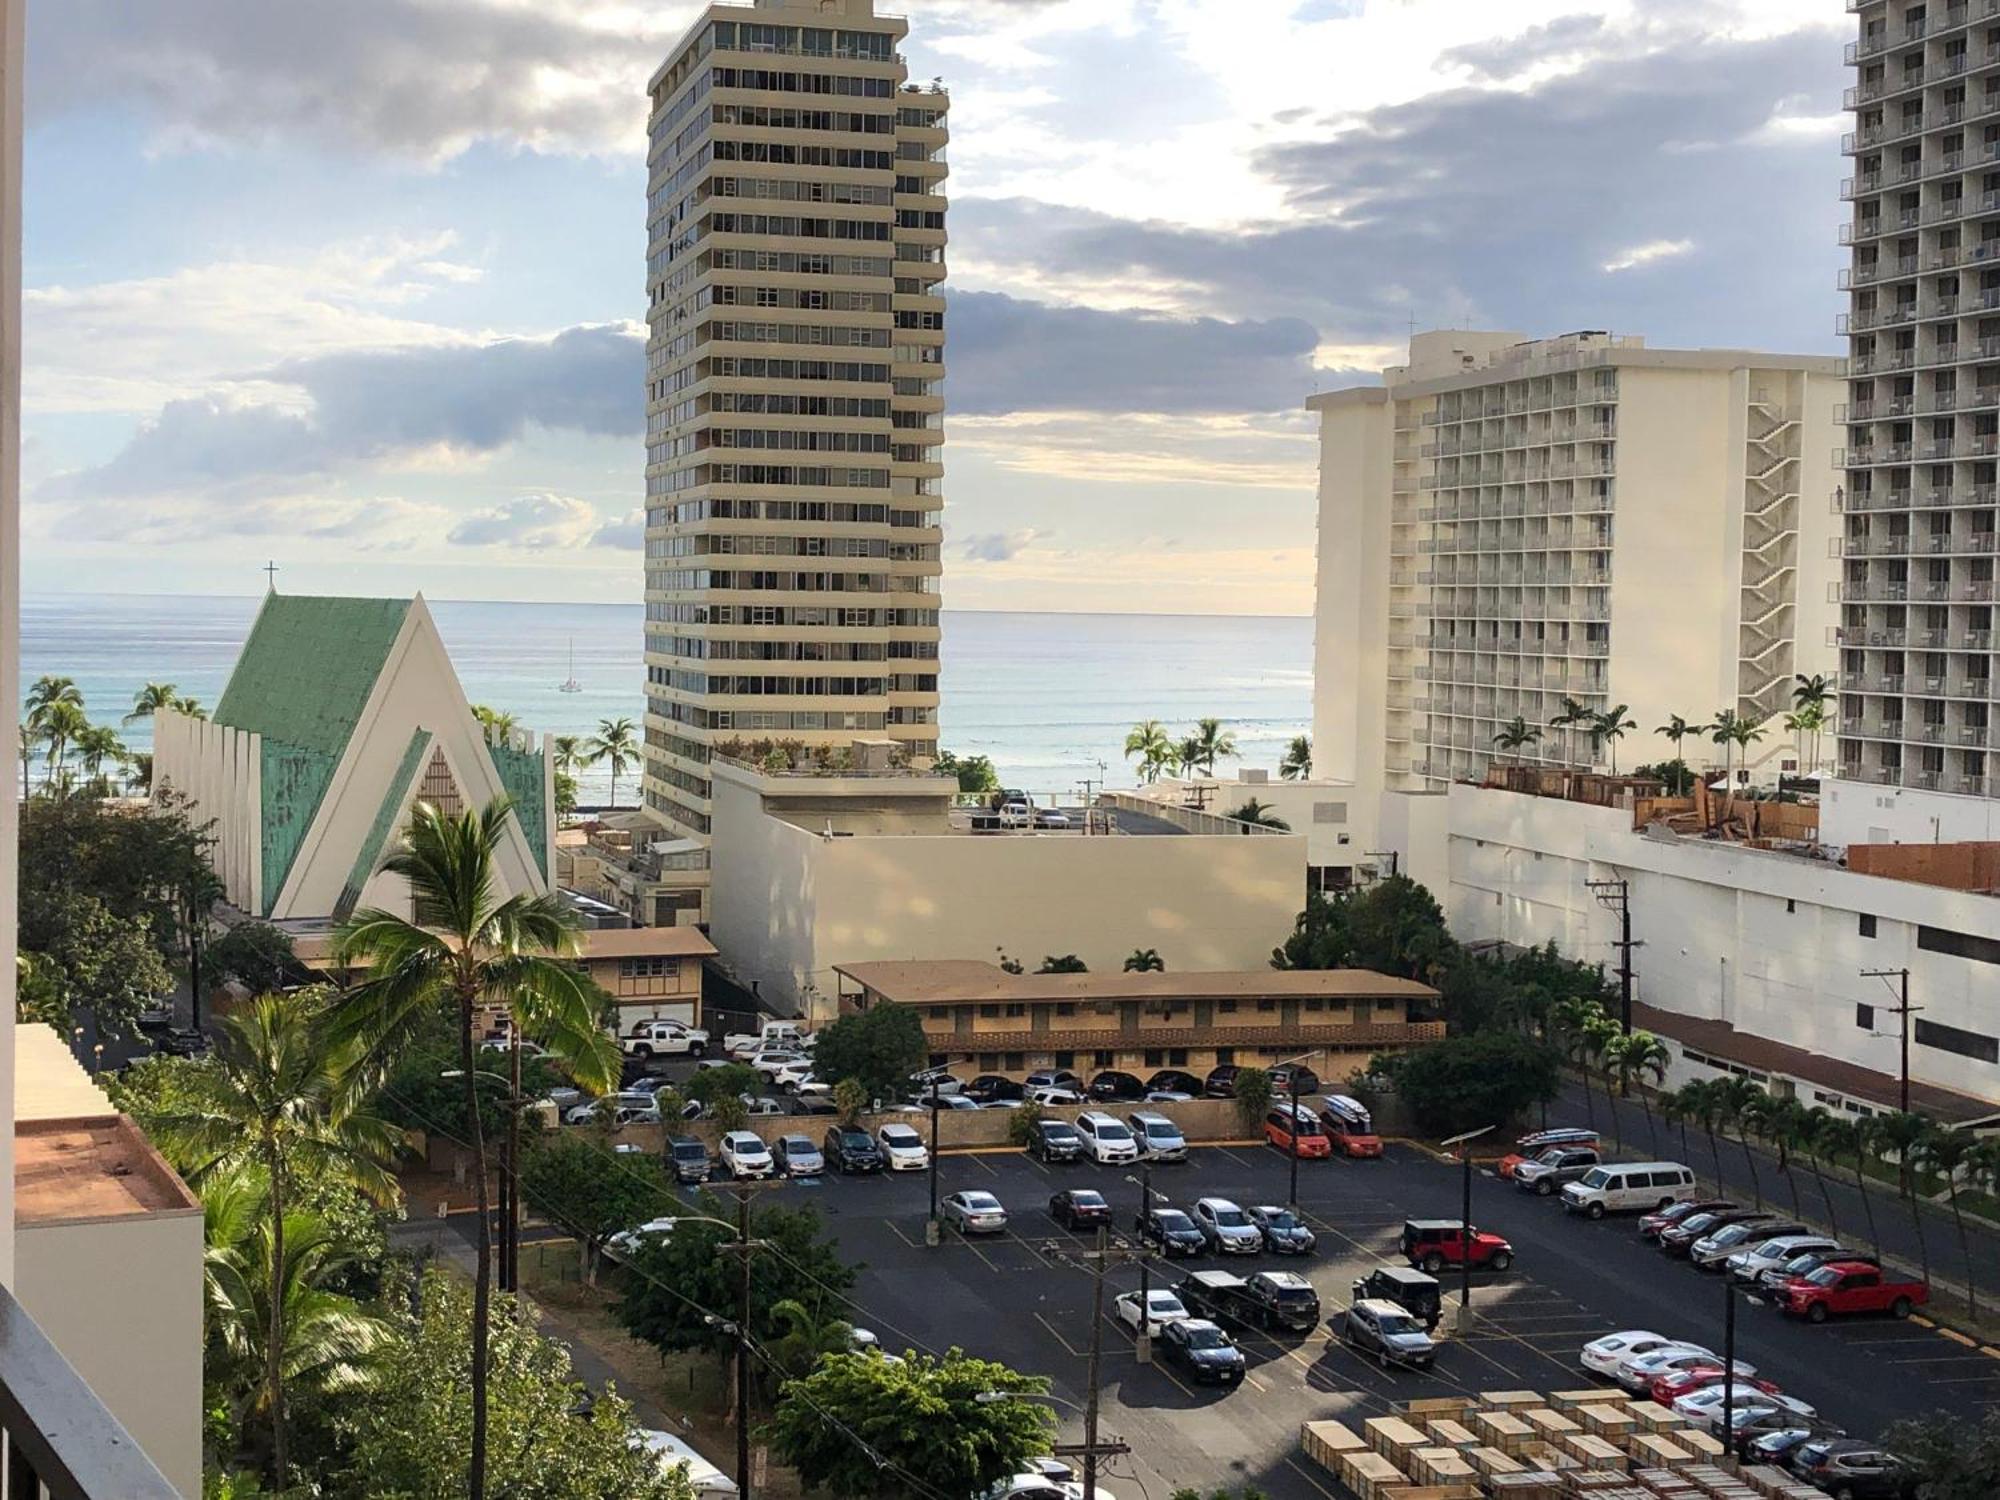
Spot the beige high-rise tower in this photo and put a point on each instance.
(795, 242)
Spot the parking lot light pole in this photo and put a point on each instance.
(1728, 1366)
(933, 1232)
(1464, 1143)
(1143, 1351)
(1292, 1092)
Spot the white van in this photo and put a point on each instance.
(1106, 1138)
(1614, 1187)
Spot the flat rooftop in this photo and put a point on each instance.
(973, 981)
(81, 1171)
(316, 947)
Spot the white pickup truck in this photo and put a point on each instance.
(774, 1036)
(664, 1039)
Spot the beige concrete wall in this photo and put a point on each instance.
(122, 1299)
(11, 80)
(1351, 620)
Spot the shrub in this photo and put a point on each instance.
(1020, 1120)
(1253, 1097)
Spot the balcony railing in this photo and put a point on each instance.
(61, 1441)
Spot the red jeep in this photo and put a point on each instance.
(1432, 1244)
(1849, 1286)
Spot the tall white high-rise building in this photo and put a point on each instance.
(1507, 526)
(795, 242)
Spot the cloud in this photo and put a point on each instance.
(996, 546)
(627, 533)
(362, 525)
(531, 523)
(373, 408)
(1501, 58)
(1647, 254)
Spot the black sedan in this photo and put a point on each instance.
(1171, 1230)
(1203, 1350)
(1174, 1081)
(1284, 1233)
(1079, 1208)
(1114, 1087)
(995, 1088)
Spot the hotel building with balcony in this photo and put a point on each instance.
(1507, 524)
(795, 243)
(1918, 497)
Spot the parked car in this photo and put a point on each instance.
(1202, 1350)
(1432, 1244)
(1678, 1239)
(1652, 1226)
(674, 1454)
(1293, 1081)
(627, 1242)
(1750, 1262)
(1418, 1295)
(1054, 1078)
(1111, 1086)
(159, 1016)
(1054, 1140)
(1669, 1387)
(1079, 1208)
(1159, 1138)
(1174, 1081)
(947, 1083)
(973, 1211)
(182, 1041)
(744, 1154)
(1221, 1081)
(1284, 1232)
(1055, 1094)
(772, 1036)
(1775, 1445)
(1377, 1326)
(902, 1148)
(689, 1159)
(995, 1088)
(1711, 1251)
(1805, 1264)
(797, 1156)
(1162, 1307)
(1226, 1228)
(1603, 1356)
(1283, 1300)
(1547, 1173)
(1294, 1128)
(649, 1039)
(1532, 1145)
(1850, 1469)
(1704, 1407)
(850, 1149)
(762, 1104)
(1841, 1288)
(1172, 1230)
(622, 1109)
(1050, 817)
(1638, 1375)
(1617, 1187)
(1221, 1296)
(1634, 1370)
(1350, 1128)
(1167, 1096)
(768, 1065)
(1107, 1140)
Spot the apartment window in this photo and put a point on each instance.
(647, 968)
(1102, 1059)
(1864, 1017)
(1224, 1055)
(1970, 1044)
(1329, 812)
(989, 1012)
(1265, 1007)
(986, 1062)
(1155, 1057)
(1226, 1007)
(1791, 906)
(1958, 944)
(1065, 1059)
(1867, 926)
(1177, 1057)
(1016, 1061)
(1065, 1007)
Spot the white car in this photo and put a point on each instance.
(744, 1154)
(1054, 1096)
(1106, 1138)
(770, 1064)
(1162, 1308)
(902, 1148)
(1602, 1356)
(1650, 1367)
(1704, 1407)
(793, 1073)
(810, 1087)
(1753, 1262)
(703, 1477)
(625, 1109)
(626, 1241)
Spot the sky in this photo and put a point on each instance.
(359, 289)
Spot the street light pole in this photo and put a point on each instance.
(1145, 1349)
(1292, 1089)
(933, 1234)
(1096, 1362)
(1464, 1143)
(1728, 1365)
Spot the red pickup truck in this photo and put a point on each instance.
(1847, 1286)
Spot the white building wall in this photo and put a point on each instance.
(1772, 944)
(1350, 636)
(11, 78)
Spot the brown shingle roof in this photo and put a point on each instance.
(970, 982)
(646, 942)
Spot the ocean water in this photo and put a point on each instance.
(1049, 697)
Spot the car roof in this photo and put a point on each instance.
(1852, 1265)
(1433, 1223)
(1149, 1117)
(799, 1140)
(1055, 1125)
(1081, 1192)
(1407, 1275)
(1382, 1307)
(1217, 1203)
(1283, 1278)
(1193, 1323)
(899, 1129)
(744, 1138)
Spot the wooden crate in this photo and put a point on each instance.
(1503, 1430)
(1550, 1424)
(1597, 1395)
(1531, 1484)
(1326, 1441)
(1650, 1416)
(1701, 1445)
(1436, 1406)
(1547, 1456)
(1491, 1461)
(1650, 1449)
(1393, 1438)
(1610, 1422)
(1594, 1452)
(1446, 1433)
(1370, 1475)
(1512, 1400)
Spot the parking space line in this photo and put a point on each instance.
(1301, 1469)
(1249, 1379)
(1071, 1350)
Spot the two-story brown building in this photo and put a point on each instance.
(979, 1017)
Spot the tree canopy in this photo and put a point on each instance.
(1955, 1459)
(592, 1192)
(1463, 1082)
(880, 1047)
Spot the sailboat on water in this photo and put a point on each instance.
(570, 684)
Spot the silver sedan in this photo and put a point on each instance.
(974, 1213)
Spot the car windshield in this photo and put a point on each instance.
(1055, 1130)
(690, 1150)
(1165, 1302)
(1231, 1218)
(1206, 1338)
(1699, 1221)
(982, 1202)
(1279, 1218)
(1173, 1220)
(1825, 1276)
(1397, 1323)
(1161, 1130)
(1551, 1156)
(853, 1138)
(900, 1135)
(1596, 1177)
(1085, 1198)
(1295, 1294)
(1798, 1265)
(1109, 1130)
(748, 1144)
(798, 1144)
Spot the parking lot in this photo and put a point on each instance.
(1024, 1298)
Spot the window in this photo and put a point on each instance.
(1867, 926)
(1864, 1017)
(1065, 1007)
(1265, 1007)
(1102, 1059)
(1958, 944)
(1177, 1057)
(1226, 1007)
(1016, 1061)
(1015, 1012)
(647, 968)
(1065, 1059)
(989, 1012)
(1791, 906)
(1155, 1057)
(1224, 1055)
(1970, 1044)
(986, 1062)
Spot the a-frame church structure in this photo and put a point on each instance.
(340, 715)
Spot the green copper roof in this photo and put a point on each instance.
(373, 847)
(522, 775)
(301, 682)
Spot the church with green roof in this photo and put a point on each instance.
(340, 715)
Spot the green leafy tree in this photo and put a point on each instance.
(1464, 1082)
(279, 1100)
(1813, 704)
(592, 1192)
(1021, 1120)
(1187, 755)
(1842, 1137)
(138, 865)
(1811, 1138)
(498, 724)
(808, 1338)
(151, 699)
(1674, 776)
(1636, 1056)
(616, 744)
(566, 753)
(1572, 715)
(256, 955)
(1297, 764)
(720, 1092)
(1733, 1096)
(565, 794)
(1393, 926)
(465, 954)
(96, 746)
(1145, 961)
(850, 1099)
(1253, 1097)
(1903, 1134)
(1955, 1459)
(410, 1437)
(975, 773)
(1677, 729)
(95, 961)
(879, 1048)
(864, 1426)
(1067, 963)
(1258, 815)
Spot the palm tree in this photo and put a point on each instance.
(51, 690)
(1610, 726)
(497, 724)
(806, 1340)
(1148, 740)
(327, 1337)
(1145, 961)
(1185, 756)
(566, 750)
(1601, 1036)
(1731, 731)
(191, 707)
(278, 1100)
(1214, 742)
(1812, 1139)
(1703, 1102)
(1260, 815)
(139, 772)
(28, 739)
(150, 699)
(1298, 762)
(1906, 1133)
(1572, 714)
(1676, 1108)
(1636, 1054)
(614, 744)
(95, 744)
(1813, 702)
(1677, 729)
(60, 723)
(1772, 1120)
(1733, 1108)
(1570, 1020)
(467, 952)
(1947, 1153)
(1840, 1136)
(1516, 735)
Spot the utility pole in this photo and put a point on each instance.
(1616, 896)
(1902, 1010)
(740, 1325)
(933, 1231)
(1728, 1365)
(1099, 1261)
(1144, 1351)
(510, 1280)
(1464, 1144)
